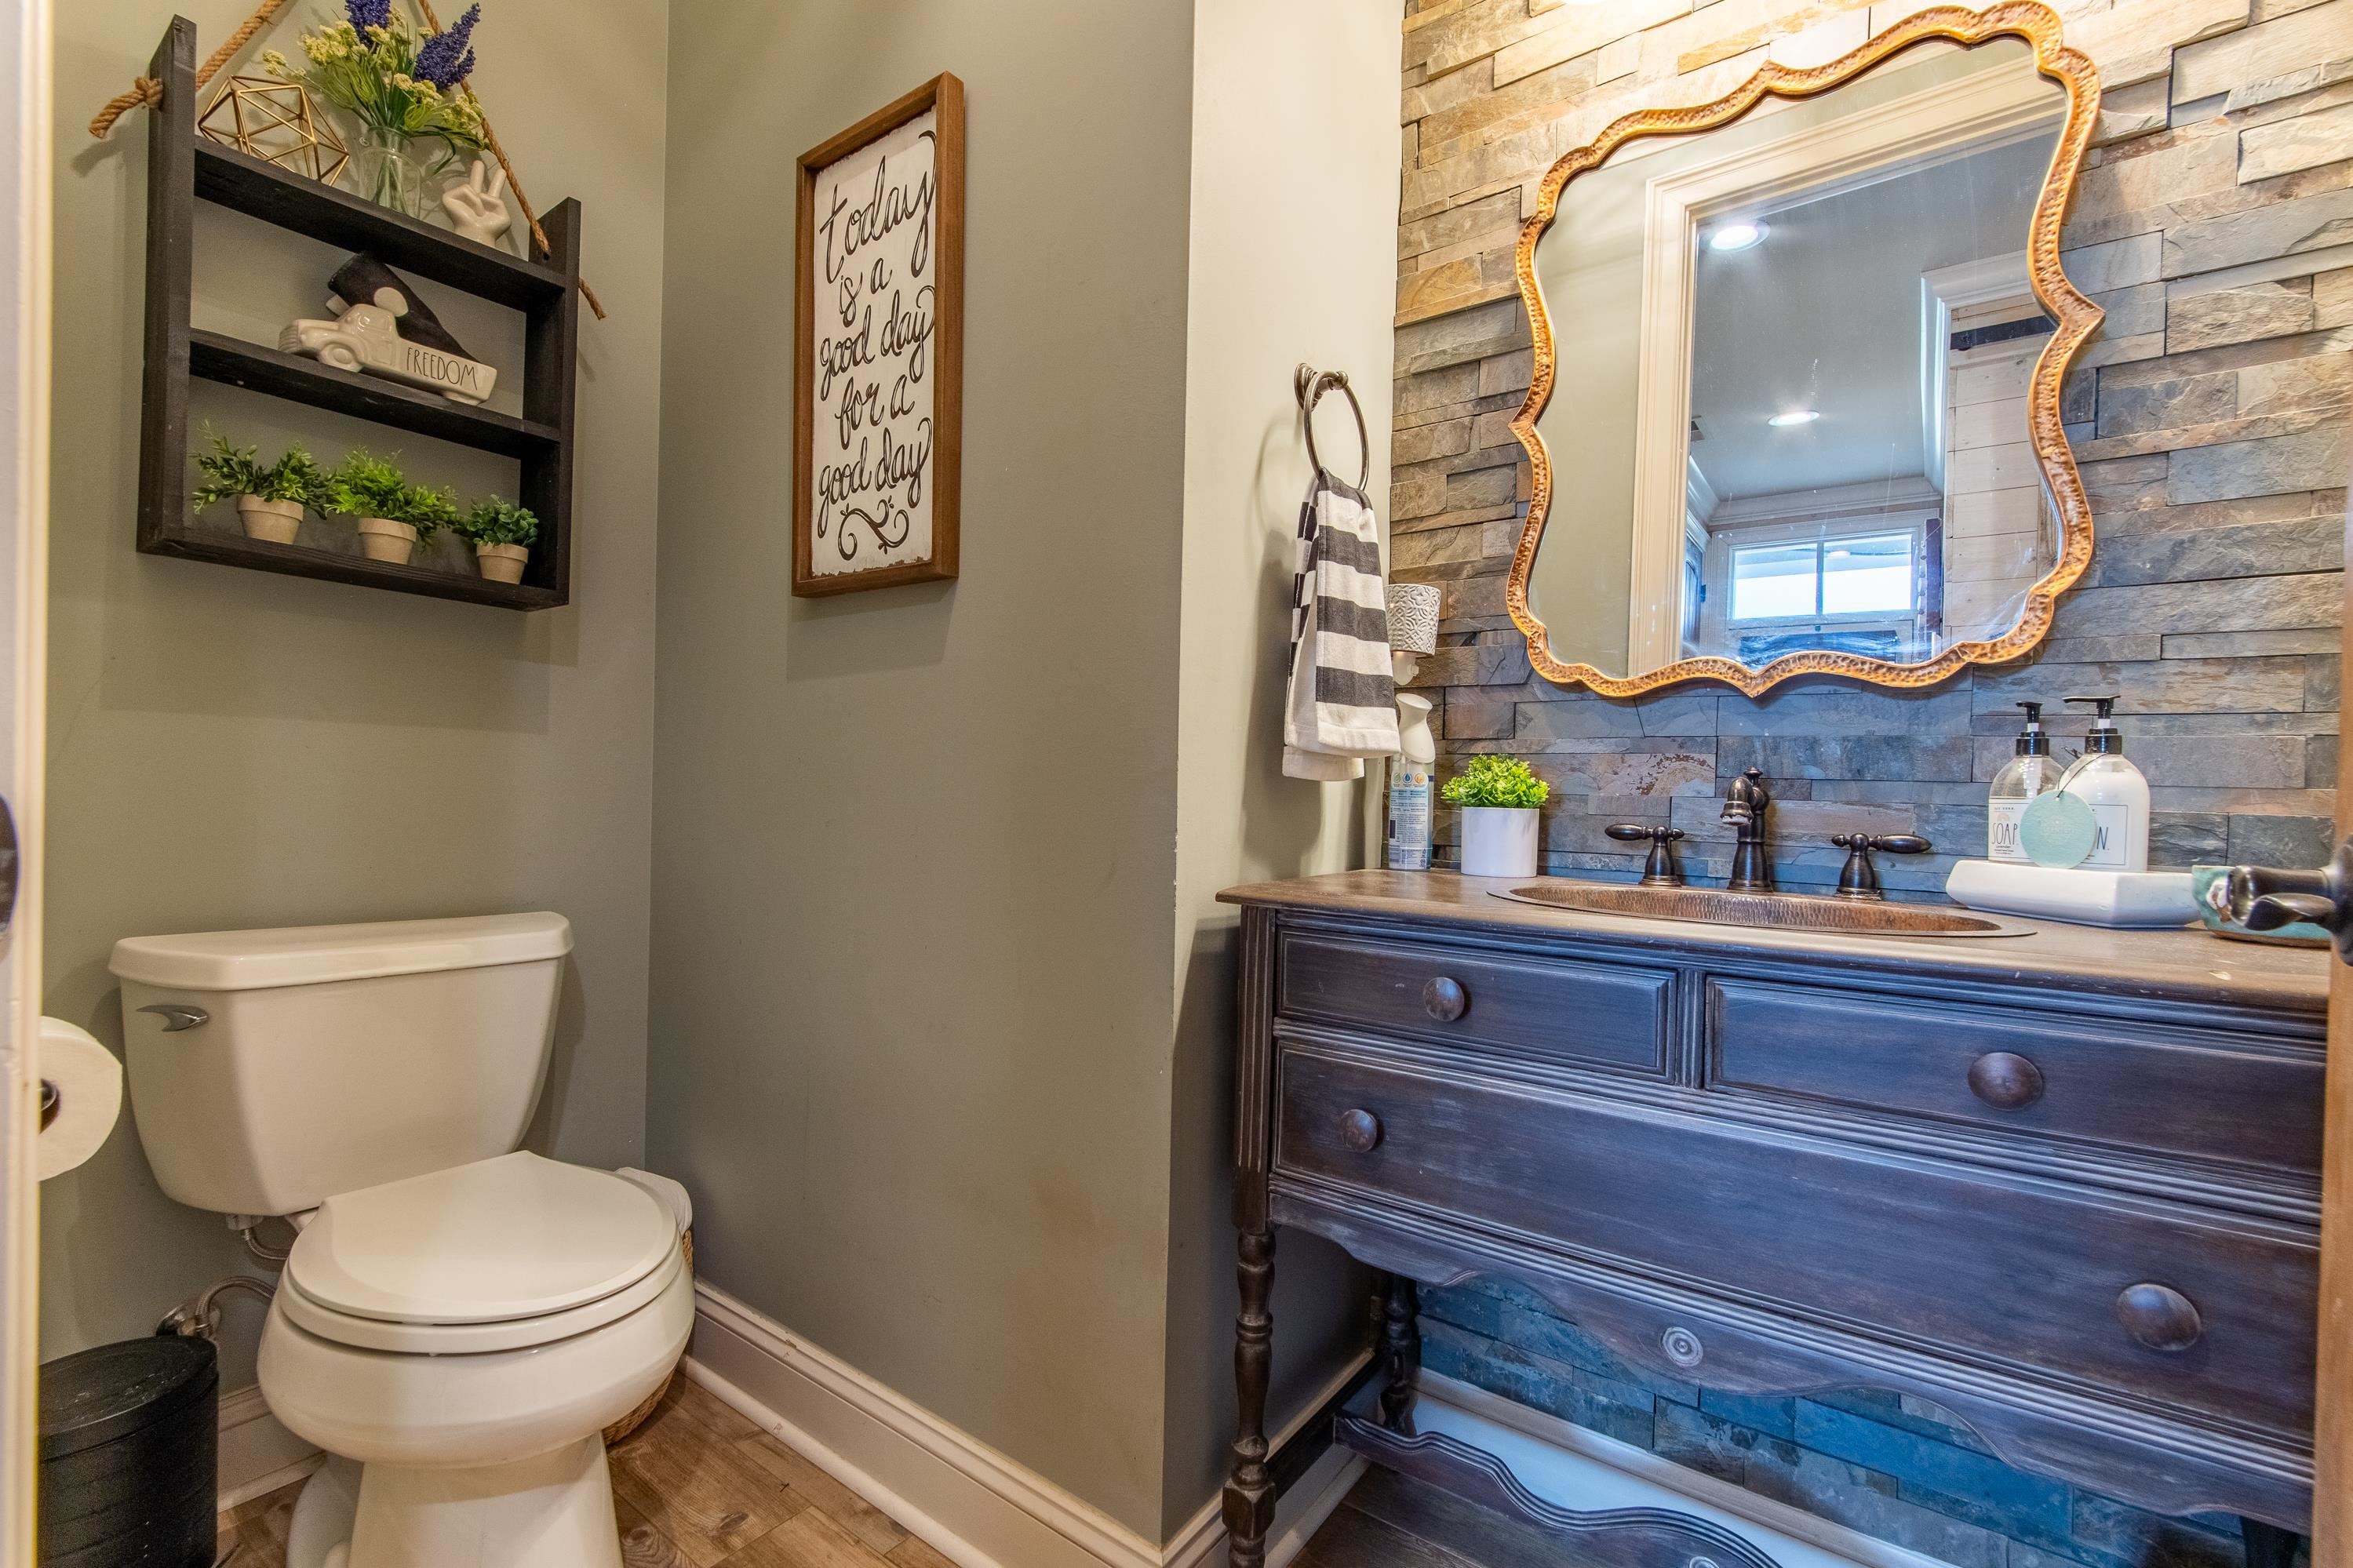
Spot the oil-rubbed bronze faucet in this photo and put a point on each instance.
(1860, 878)
(1745, 805)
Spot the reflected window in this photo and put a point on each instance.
(1867, 574)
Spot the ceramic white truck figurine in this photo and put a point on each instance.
(365, 337)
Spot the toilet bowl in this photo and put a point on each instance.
(464, 1337)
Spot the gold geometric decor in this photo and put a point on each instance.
(270, 120)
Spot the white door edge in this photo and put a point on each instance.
(24, 188)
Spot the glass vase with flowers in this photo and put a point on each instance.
(406, 92)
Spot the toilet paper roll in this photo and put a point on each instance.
(87, 1082)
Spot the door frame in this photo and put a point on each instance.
(26, 76)
(2332, 1435)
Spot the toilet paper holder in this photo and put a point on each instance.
(50, 1102)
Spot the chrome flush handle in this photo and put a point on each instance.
(177, 1015)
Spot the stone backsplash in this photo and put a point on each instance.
(2209, 417)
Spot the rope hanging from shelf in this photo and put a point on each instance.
(147, 93)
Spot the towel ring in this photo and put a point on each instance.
(1310, 386)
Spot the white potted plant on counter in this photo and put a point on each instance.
(502, 534)
(390, 514)
(1499, 797)
(270, 498)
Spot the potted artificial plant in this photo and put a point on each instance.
(1499, 797)
(270, 498)
(502, 534)
(390, 514)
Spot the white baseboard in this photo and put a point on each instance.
(258, 1455)
(972, 1504)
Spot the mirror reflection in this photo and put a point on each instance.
(1793, 356)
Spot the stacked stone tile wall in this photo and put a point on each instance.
(1888, 1465)
(2215, 222)
(2209, 417)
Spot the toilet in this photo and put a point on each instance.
(458, 1319)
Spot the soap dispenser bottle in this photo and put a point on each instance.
(2105, 780)
(2033, 770)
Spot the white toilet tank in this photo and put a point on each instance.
(272, 1070)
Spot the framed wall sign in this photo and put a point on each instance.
(878, 403)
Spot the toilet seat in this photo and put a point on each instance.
(466, 1339)
(498, 1254)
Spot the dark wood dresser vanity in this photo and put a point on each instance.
(2064, 1185)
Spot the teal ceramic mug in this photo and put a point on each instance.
(2210, 884)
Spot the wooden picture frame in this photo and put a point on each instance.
(892, 389)
(2074, 314)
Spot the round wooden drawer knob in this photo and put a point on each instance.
(1444, 999)
(2005, 1081)
(1360, 1131)
(2159, 1317)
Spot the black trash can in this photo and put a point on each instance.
(130, 1450)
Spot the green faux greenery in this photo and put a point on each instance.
(498, 521)
(233, 471)
(1489, 780)
(369, 485)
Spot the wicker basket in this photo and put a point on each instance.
(635, 1418)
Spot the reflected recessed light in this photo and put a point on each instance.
(1795, 416)
(1736, 235)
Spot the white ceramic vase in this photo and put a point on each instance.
(381, 539)
(1499, 840)
(501, 562)
(274, 520)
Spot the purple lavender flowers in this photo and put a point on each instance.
(446, 58)
(366, 13)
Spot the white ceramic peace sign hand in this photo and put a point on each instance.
(478, 205)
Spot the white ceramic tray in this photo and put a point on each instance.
(2085, 898)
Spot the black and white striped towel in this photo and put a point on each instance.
(1342, 706)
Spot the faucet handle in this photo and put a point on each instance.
(1660, 870)
(1859, 879)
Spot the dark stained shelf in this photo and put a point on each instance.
(229, 178)
(233, 361)
(230, 550)
(184, 169)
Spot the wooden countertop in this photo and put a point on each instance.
(2188, 965)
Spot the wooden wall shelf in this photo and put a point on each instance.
(182, 169)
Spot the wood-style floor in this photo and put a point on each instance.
(698, 1486)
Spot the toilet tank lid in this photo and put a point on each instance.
(311, 956)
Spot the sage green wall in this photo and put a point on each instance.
(233, 749)
(912, 913)
(1293, 233)
(942, 1021)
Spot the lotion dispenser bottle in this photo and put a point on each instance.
(2033, 770)
(2104, 780)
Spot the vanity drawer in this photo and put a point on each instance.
(2023, 1271)
(1613, 1017)
(2202, 1097)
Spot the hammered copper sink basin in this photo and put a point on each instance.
(1778, 911)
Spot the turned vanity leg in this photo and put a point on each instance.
(2268, 1546)
(1250, 1490)
(1400, 1355)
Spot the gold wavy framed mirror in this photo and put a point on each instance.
(1800, 434)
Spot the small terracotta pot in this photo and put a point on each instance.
(381, 539)
(274, 520)
(501, 562)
